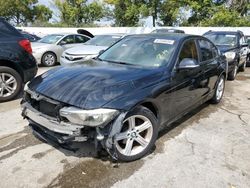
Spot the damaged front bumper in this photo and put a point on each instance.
(48, 122)
(51, 128)
(60, 129)
(43, 125)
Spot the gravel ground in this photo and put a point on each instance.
(209, 147)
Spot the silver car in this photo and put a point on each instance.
(49, 49)
(89, 50)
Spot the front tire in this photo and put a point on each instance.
(219, 90)
(49, 59)
(242, 68)
(233, 73)
(137, 136)
(10, 84)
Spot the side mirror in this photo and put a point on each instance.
(101, 52)
(244, 45)
(188, 63)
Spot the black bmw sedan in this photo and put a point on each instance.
(127, 94)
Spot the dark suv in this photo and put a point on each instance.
(234, 46)
(17, 65)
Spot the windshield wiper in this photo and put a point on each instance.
(118, 62)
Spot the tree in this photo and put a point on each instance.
(170, 11)
(128, 12)
(21, 12)
(42, 13)
(76, 12)
(241, 6)
(225, 17)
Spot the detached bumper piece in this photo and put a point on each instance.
(46, 134)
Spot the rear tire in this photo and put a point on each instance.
(138, 135)
(49, 59)
(10, 84)
(219, 90)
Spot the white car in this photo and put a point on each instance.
(49, 49)
(89, 50)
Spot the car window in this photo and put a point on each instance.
(188, 50)
(103, 40)
(148, 51)
(69, 39)
(208, 50)
(51, 39)
(222, 39)
(81, 39)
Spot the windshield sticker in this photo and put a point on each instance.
(124, 45)
(231, 36)
(115, 37)
(164, 41)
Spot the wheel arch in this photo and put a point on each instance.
(13, 65)
(151, 106)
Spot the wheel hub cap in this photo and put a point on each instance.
(220, 89)
(136, 134)
(8, 84)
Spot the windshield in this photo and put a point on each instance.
(222, 39)
(103, 40)
(51, 39)
(141, 50)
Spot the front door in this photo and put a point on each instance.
(186, 84)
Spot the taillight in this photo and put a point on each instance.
(25, 44)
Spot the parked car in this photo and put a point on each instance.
(30, 37)
(233, 45)
(17, 65)
(49, 49)
(126, 95)
(167, 31)
(89, 50)
(248, 54)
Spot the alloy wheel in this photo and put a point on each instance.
(8, 84)
(135, 136)
(220, 89)
(235, 70)
(49, 59)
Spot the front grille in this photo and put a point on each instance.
(43, 106)
(73, 58)
(48, 108)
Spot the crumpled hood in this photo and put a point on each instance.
(36, 45)
(93, 84)
(85, 50)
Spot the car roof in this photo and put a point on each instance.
(112, 34)
(170, 36)
(225, 32)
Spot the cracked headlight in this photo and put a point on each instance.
(91, 118)
(230, 56)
